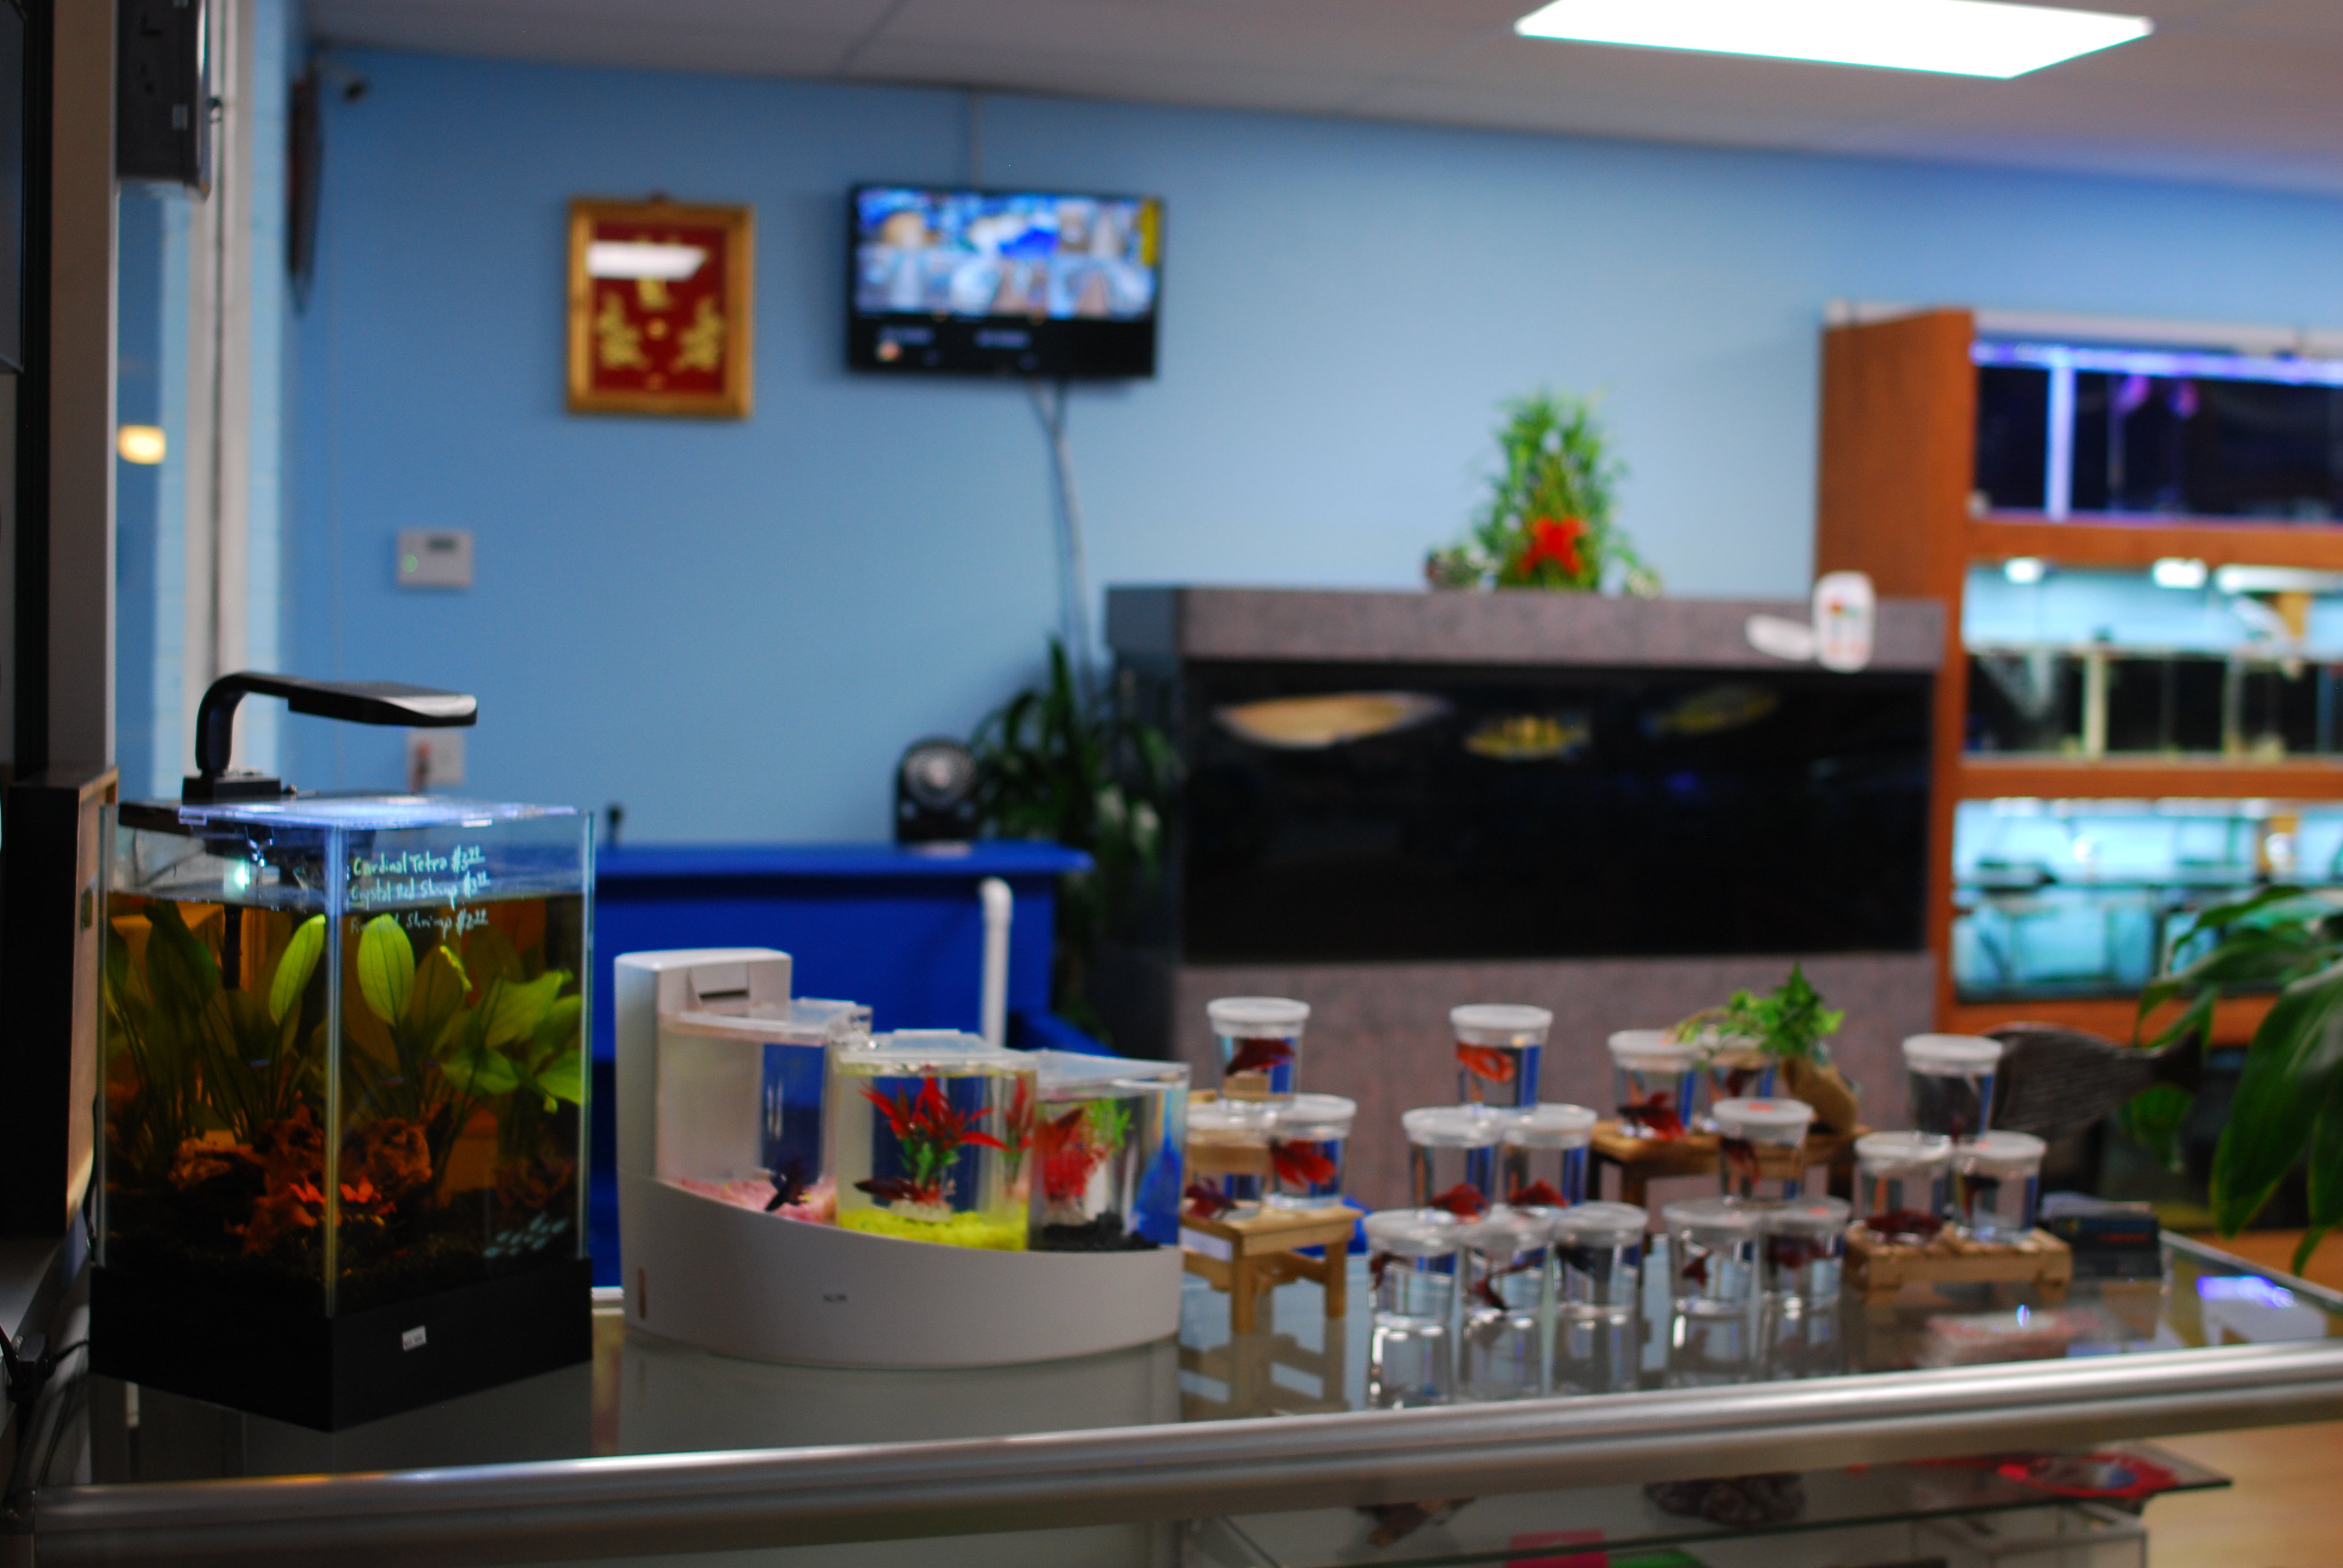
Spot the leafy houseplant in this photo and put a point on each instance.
(1548, 520)
(1791, 1025)
(1052, 764)
(2289, 1100)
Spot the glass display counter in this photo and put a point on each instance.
(1209, 1449)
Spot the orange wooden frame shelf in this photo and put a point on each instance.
(2234, 1019)
(1898, 469)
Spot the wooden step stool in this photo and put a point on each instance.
(1877, 1270)
(1251, 1257)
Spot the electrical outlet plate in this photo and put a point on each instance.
(435, 559)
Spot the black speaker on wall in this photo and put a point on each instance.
(162, 92)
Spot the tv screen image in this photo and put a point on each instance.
(1031, 283)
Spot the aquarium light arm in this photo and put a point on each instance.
(351, 702)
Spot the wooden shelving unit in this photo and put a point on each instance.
(1898, 463)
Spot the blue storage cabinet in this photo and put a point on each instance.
(899, 929)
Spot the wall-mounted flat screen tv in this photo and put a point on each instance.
(1004, 283)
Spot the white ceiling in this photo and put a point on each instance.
(2244, 91)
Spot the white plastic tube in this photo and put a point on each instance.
(994, 1009)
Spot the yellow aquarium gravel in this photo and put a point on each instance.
(959, 1231)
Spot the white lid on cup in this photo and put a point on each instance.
(1900, 1151)
(1608, 1222)
(1951, 1055)
(2000, 1153)
(1710, 1214)
(1548, 1126)
(1412, 1232)
(1235, 1014)
(1499, 1024)
(1504, 1231)
(1240, 1121)
(1808, 1216)
(1311, 1116)
(1651, 1049)
(1786, 1119)
(1452, 1126)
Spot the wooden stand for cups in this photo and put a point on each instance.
(1249, 1258)
(1643, 1160)
(1877, 1270)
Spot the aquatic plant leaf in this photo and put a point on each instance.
(386, 968)
(557, 1032)
(2290, 1068)
(438, 994)
(182, 976)
(2326, 1164)
(480, 1073)
(297, 964)
(514, 1011)
(565, 1079)
(490, 957)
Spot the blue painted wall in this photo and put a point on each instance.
(734, 627)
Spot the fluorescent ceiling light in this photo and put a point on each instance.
(1959, 37)
(2277, 580)
(641, 258)
(2177, 572)
(2023, 569)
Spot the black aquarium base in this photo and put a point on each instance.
(329, 1373)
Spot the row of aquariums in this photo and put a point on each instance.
(2239, 662)
(2076, 429)
(2071, 899)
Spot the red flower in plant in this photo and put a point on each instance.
(1556, 542)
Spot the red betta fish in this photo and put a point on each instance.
(1656, 1115)
(1300, 1164)
(1260, 1054)
(1538, 1195)
(1463, 1201)
(1485, 1061)
(1206, 1201)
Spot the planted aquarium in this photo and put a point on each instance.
(932, 1139)
(344, 1073)
(1110, 1138)
(740, 1100)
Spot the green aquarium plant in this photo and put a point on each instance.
(1548, 521)
(2289, 1108)
(1087, 774)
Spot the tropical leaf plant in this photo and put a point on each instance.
(2288, 1106)
(1088, 775)
(1548, 522)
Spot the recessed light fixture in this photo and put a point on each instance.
(1958, 38)
(141, 444)
(2023, 569)
(2177, 572)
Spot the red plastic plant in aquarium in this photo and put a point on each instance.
(1485, 1061)
(1260, 1053)
(931, 1134)
(1073, 1146)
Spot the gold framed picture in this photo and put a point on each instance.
(659, 304)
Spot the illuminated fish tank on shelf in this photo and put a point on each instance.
(742, 1084)
(1110, 1138)
(343, 1169)
(933, 1138)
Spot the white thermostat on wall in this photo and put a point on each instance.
(435, 558)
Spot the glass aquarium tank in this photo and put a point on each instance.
(1112, 1135)
(932, 1134)
(344, 1163)
(740, 1099)
(2059, 899)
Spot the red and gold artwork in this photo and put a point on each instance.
(659, 309)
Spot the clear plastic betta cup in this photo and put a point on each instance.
(1997, 1184)
(1452, 1158)
(1805, 1253)
(1655, 1078)
(1412, 1267)
(1543, 1152)
(1598, 1251)
(1307, 1136)
(1761, 1149)
(1712, 1245)
(1899, 1184)
(1228, 1160)
(1497, 1051)
(1503, 1343)
(1735, 1070)
(1260, 1039)
(1951, 1077)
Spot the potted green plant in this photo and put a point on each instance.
(2288, 1107)
(1789, 1027)
(1548, 520)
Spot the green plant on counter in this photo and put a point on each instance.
(2290, 1102)
(1548, 520)
(1090, 776)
